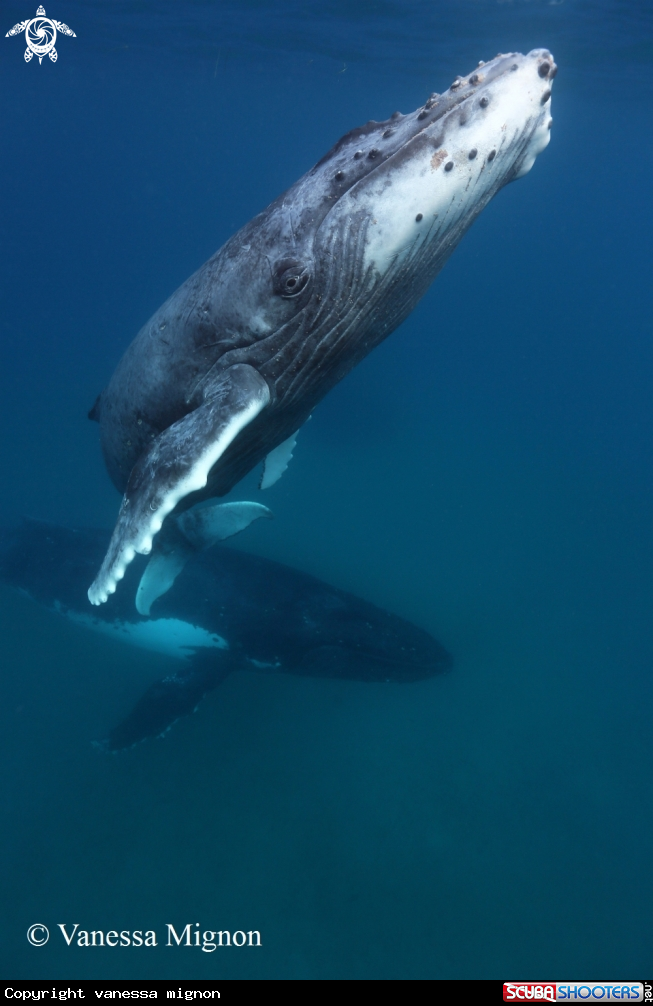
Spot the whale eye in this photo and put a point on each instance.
(290, 278)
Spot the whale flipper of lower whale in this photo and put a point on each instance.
(167, 700)
(184, 536)
(227, 611)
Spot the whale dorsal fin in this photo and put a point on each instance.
(184, 536)
(277, 461)
(176, 464)
(94, 411)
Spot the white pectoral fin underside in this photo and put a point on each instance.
(277, 461)
(190, 533)
(206, 524)
(160, 573)
(177, 463)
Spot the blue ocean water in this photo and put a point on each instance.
(485, 473)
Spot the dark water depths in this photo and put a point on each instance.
(486, 473)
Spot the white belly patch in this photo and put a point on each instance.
(170, 636)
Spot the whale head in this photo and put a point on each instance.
(427, 176)
(313, 283)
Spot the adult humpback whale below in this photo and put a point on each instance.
(229, 368)
(228, 610)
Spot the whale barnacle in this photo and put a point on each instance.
(485, 101)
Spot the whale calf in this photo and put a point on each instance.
(227, 610)
(226, 372)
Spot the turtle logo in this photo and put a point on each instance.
(40, 35)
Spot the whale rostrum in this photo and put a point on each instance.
(227, 371)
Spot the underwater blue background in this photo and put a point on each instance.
(485, 473)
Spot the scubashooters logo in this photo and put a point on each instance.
(40, 35)
(573, 992)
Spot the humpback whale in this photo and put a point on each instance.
(225, 373)
(228, 610)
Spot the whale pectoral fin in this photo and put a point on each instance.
(205, 525)
(185, 535)
(177, 463)
(166, 701)
(277, 461)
